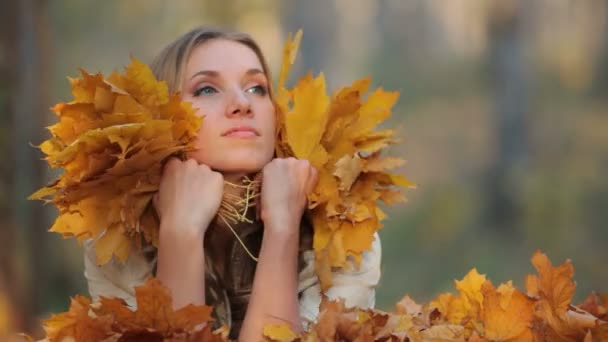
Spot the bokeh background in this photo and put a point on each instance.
(502, 113)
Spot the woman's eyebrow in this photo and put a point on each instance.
(210, 73)
(254, 71)
(215, 74)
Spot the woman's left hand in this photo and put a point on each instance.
(286, 184)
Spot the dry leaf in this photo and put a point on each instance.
(507, 313)
(111, 141)
(279, 332)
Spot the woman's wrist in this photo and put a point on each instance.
(181, 267)
(178, 230)
(281, 219)
(283, 232)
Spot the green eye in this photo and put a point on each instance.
(260, 90)
(206, 90)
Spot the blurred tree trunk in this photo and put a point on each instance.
(25, 80)
(510, 85)
(600, 86)
(9, 277)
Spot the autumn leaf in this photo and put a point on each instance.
(596, 305)
(279, 332)
(447, 332)
(78, 324)
(451, 307)
(154, 319)
(507, 313)
(470, 289)
(408, 306)
(554, 288)
(466, 308)
(111, 142)
(553, 284)
(348, 169)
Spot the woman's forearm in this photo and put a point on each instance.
(181, 266)
(274, 297)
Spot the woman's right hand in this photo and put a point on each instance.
(188, 198)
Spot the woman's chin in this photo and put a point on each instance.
(234, 160)
(246, 165)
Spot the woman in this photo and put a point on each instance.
(225, 76)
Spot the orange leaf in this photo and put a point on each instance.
(507, 313)
(77, 324)
(554, 284)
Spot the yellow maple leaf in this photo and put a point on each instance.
(451, 306)
(305, 123)
(139, 81)
(279, 332)
(470, 289)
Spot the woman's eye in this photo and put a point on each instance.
(206, 90)
(260, 90)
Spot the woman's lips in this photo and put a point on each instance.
(241, 132)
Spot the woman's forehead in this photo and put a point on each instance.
(222, 56)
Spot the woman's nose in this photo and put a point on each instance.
(239, 104)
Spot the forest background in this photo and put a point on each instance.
(502, 113)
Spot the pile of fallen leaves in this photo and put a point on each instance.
(111, 319)
(479, 312)
(338, 136)
(111, 141)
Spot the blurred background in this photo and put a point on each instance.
(502, 112)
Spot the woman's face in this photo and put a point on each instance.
(225, 81)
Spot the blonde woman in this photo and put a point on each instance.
(225, 76)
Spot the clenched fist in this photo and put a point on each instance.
(286, 184)
(189, 197)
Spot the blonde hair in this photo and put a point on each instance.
(169, 65)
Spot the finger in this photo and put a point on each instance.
(171, 162)
(156, 204)
(313, 179)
